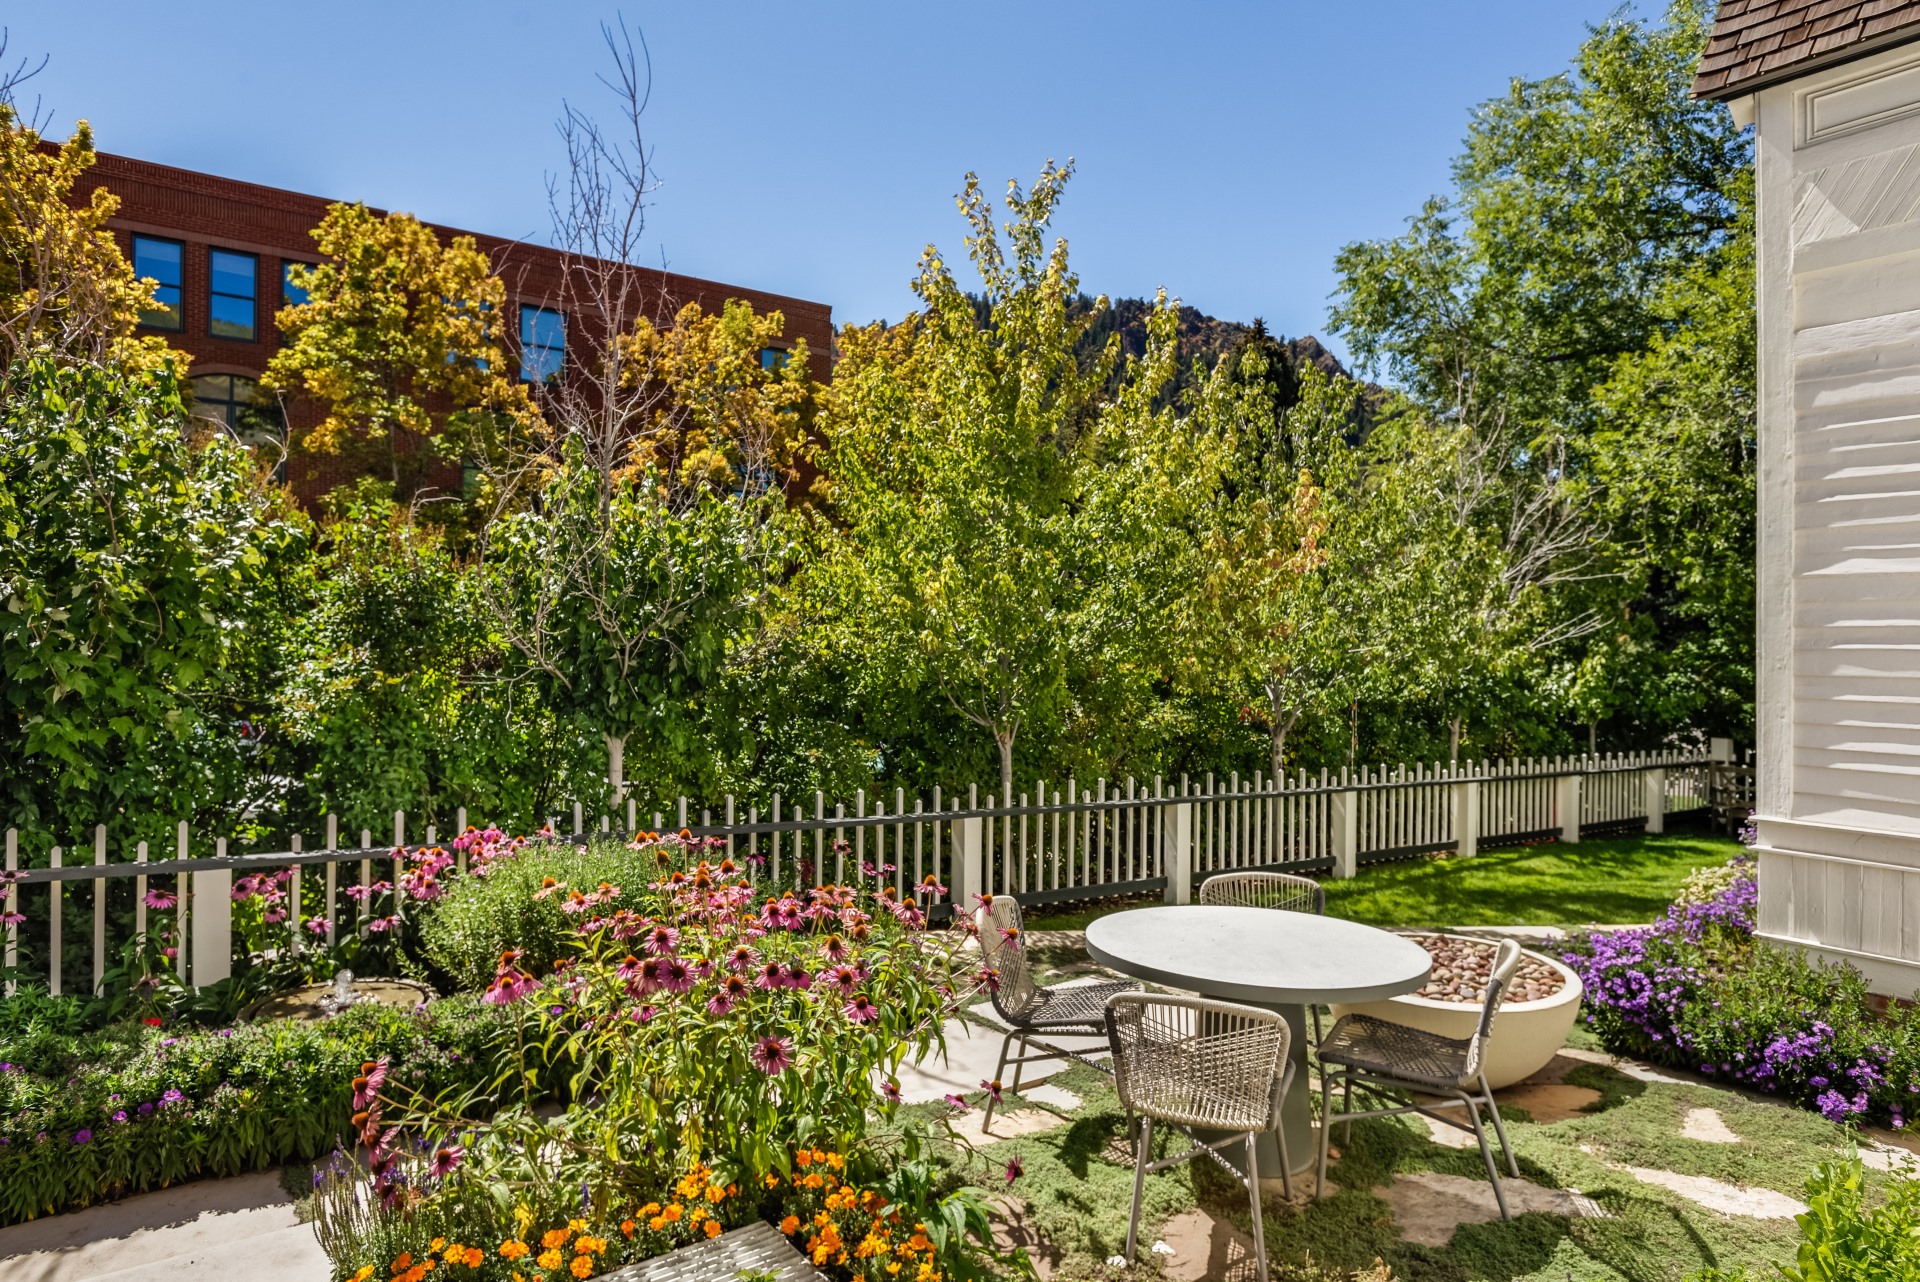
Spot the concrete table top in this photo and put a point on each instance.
(1258, 954)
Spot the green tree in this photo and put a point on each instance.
(135, 562)
(1594, 213)
(966, 448)
(399, 341)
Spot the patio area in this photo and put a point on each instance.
(1628, 1171)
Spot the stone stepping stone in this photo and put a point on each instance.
(1707, 1126)
(1428, 1207)
(1195, 1247)
(1717, 1195)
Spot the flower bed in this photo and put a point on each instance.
(88, 1116)
(722, 1037)
(1697, 991)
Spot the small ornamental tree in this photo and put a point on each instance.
(134, 563)
(399, 341)
(65, 288)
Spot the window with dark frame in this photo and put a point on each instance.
(232, 287)
(774, 358)
(543, 344)
(236, 403)
(160, 260)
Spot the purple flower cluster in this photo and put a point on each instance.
(1696, 991)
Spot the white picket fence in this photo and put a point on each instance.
(1051, 843)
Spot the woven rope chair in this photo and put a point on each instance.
(1031, 1010)
(1193, 1062)
(1409, 1070)
(1278, 890)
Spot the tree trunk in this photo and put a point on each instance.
(1353, 732)
(1593, 734)
(616, 765)
(1282, 723)
(1453, 742)
(1003, 739)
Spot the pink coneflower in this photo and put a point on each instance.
(861, 1009)
(628, 968)
(989, 979)
(661, 941)
(993, 1089)
(958, 1103)
(743, 958)
(1011, 935)
(835, 948)
(719, 1004)
(508, 987)
(799, 978)
(161, 899)
(890, 1091)
(648, 979)
(772, 1055)
(844, 978)
(772, 976)
(316, 925)
(1015, 1168)
(641, 1014)
(445, 1159)
(380, 925)
(676, 976)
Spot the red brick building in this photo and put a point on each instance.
(220, 249)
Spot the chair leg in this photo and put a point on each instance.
(1315, 1011)
(1486, 1154)
(1326, 1132)
(1006, 1043)
(1142, 1152)
(1024, 1049)
(1346, 1106)
(1286, 1162)
(1500, 1129)
(1253, 1196)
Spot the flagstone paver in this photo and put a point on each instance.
(1707, 1126)
(1428, 1206)
(1717, 1195)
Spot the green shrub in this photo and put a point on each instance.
(86, 1116)
(1842, 1241)
(482, 916)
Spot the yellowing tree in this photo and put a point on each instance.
(399, 340)
(65, 288)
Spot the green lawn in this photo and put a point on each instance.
(1629, 879)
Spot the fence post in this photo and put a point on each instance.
(1343, 825)
(213, 922)
(1566, 807)
(1656, 787)
(1176, 846)
(99, 909)
(967, 867)
(1466, 817)
(53, 927)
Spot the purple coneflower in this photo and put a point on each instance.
(161, 899)
(1015, 1168)
(844, 978)
(958, 1103)
(445, 1159)
(743, 958)
(861, 1010)
(993, 1089)
(772, 1055)
(890, 1091)
(316, 925)
(835, 948)
(641, 1014)
(719, 1004)
(798, 977)
(676, 976)
(661, 941)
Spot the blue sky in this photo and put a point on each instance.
(1225, 151)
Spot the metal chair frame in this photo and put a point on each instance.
(1234, 1078)
(1280, 891)
(1411, 1091)
(1032, 1010)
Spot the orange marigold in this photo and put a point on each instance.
(713, 1228)
(627, 1227)
(554, 1237)
(790, 1225)
(582, 1266)
(514, 1249)
(548, 1259)
(475, 1257)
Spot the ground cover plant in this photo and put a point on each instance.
(716, 1034)
(1698, 991)
(1843, 1239)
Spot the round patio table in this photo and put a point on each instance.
(1262, 957)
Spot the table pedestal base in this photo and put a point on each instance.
(1296, 1111)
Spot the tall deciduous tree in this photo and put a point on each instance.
(399, 339)
(966, 454)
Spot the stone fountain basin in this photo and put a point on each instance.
(306, 1002)
(1525, 1034)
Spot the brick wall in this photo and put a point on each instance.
(204, 212)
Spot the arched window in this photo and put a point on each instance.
(236, 403)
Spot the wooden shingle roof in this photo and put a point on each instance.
(1756, 43)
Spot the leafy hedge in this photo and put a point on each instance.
(90, 1116)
